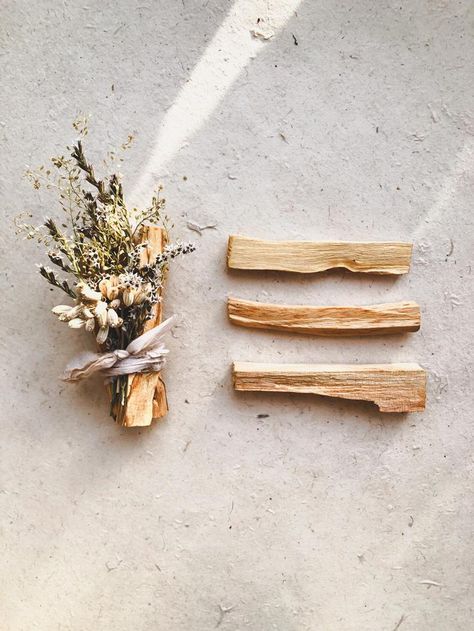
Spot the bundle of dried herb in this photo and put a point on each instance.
(99, 242)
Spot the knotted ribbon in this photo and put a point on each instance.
(145, 353)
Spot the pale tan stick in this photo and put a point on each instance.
(307, 257)
(146, 398)
(393, 387)
(398, 317)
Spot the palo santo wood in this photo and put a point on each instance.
(399, 317)
(146, 398)
(307, 257)
(392, 387)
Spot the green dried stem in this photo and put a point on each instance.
(54, 280)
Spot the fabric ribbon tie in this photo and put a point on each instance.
(146, 353)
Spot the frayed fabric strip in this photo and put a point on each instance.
(146, 353)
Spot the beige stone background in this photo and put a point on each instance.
(351, 121)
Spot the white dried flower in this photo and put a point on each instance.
(90, 325)
(130, 279)
(87, 313)
(74, 312)
(112, 292)
(103, 286)
(100, 313)
(142, 294)
(140, 297)
(76, 323)
(115, 304)
(59, 309)
(112, 318)
(102, 334)
(86, 293)
(128, 296)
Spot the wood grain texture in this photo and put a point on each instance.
(392, 387)
(398, 317)
(307, 257)
(146, 398)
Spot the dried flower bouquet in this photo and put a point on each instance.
(119, 263)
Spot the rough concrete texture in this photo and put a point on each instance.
(245, 511)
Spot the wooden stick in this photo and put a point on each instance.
(398, 317)
(393, 387)
(307, 257)
(146, 398)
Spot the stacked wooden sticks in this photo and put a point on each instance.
(393, 387)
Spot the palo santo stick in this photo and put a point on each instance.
(393, 387)
(307, 257)
(146, 398)
(399, 317)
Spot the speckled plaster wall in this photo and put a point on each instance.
(352, 121)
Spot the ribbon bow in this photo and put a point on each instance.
(145, 353)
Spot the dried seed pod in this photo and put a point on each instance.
(100, 313)
(102, 334)
(90, 325)
(112, 292)
(103, 286)
(86, 293)
(87, 313)
(72, 313)
(76, 323)
(128, 296)
(60, 309)
(140, 297)
(112, 318)
(115, 304)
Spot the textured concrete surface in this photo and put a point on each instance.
(245, 512)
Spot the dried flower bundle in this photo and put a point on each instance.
(98, 243)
